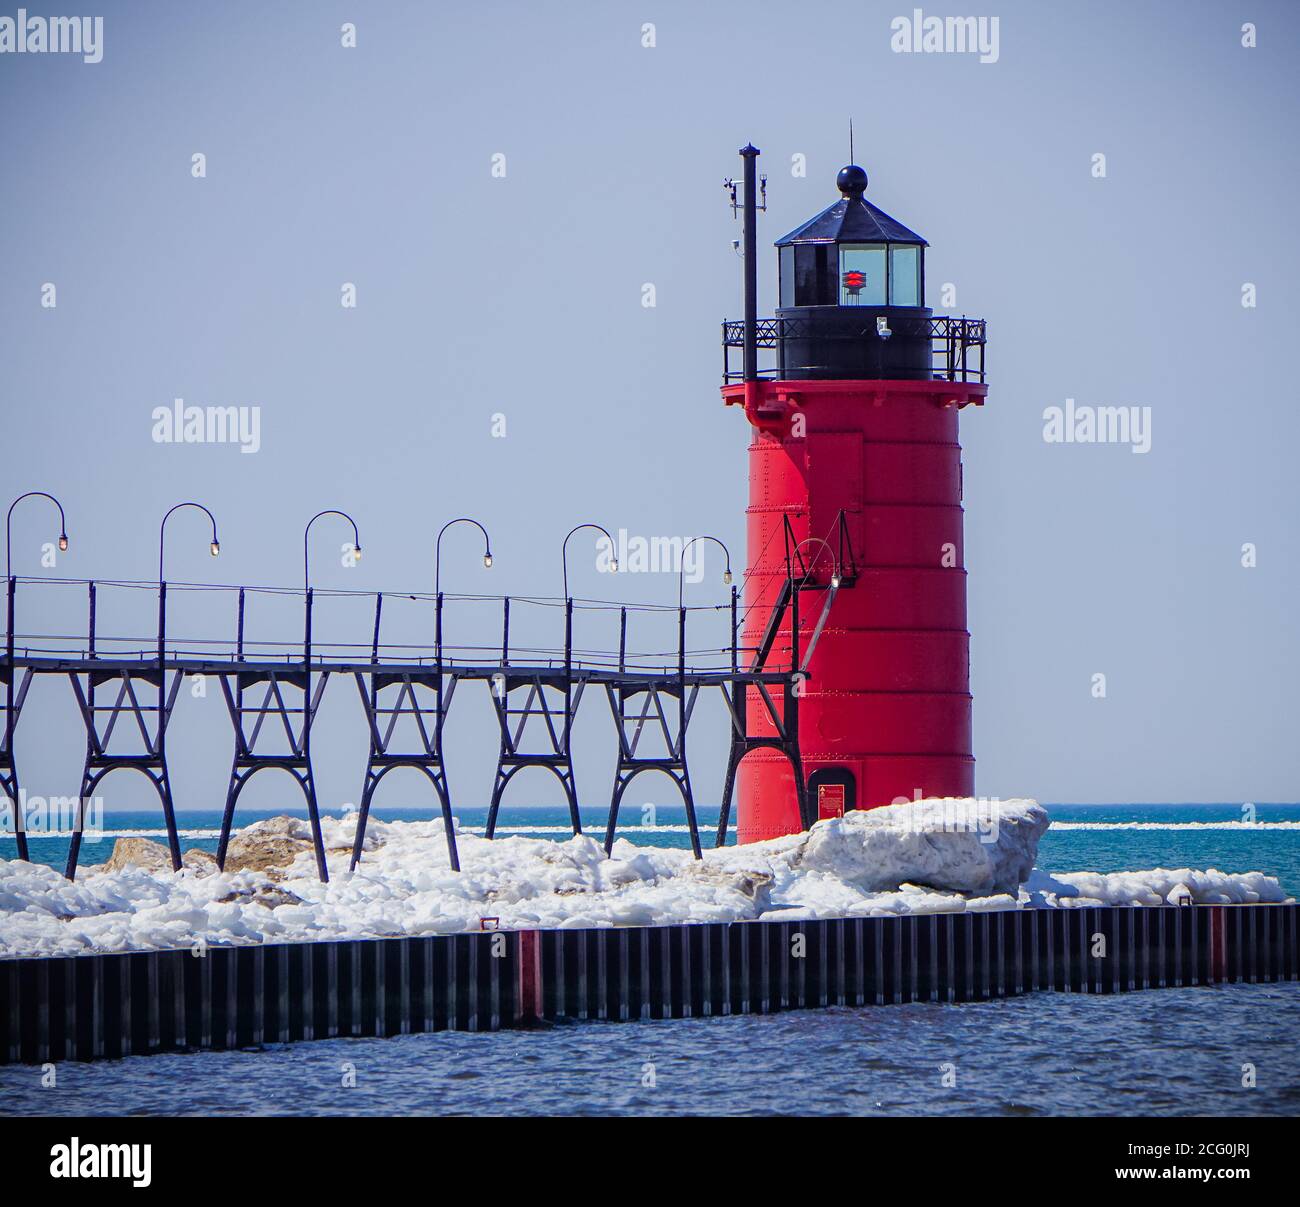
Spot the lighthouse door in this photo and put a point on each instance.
(835, 791)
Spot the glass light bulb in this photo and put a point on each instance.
(613, 565)
(214, 548)
(726, 578)
(356, 553)
(63, 543)
(487, 561)
(835, 580)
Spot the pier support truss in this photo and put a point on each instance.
(636, 706)
(149, 720)
(555, 712)
(423, 698)
(249, 760)
(383, 719)
(101, 720)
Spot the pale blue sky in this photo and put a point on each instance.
(523, 296)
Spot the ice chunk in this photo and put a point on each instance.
(968, 846)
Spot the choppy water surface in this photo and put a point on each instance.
(1167, 1052)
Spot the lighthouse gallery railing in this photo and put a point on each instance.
(957, 344)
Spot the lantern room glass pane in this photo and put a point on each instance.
(904, 276)
(814, 274)
(862, 274)
(787, 275)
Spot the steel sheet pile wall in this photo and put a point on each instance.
(96, 1006)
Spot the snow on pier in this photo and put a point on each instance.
(924, 857)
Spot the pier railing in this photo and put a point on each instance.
(367, 646)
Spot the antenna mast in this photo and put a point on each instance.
(749, 205)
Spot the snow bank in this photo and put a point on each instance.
(922, 857)
(1160, 886)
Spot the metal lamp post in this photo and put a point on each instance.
(564, 553)
(9, 779)
(63, 526)
(437, 591)
(306, 580)
(681, 597)
(681, 571)
(835, 568)
(306, 564)
(437, 550)
(302, 749)
(214, 548)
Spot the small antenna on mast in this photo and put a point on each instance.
(851, 159)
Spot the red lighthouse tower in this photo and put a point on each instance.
(855, 494)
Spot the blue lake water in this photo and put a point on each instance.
(1163, 1052)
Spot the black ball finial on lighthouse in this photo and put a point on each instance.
(852, 181)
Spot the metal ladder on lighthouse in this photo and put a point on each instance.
(784, 720)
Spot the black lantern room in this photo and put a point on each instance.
(853, 292)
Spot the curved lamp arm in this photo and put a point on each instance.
(214, 548)
(835, 569)
(681, 570)
(356, 542)
(564, 553)
(63, 526)
(437, 549)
